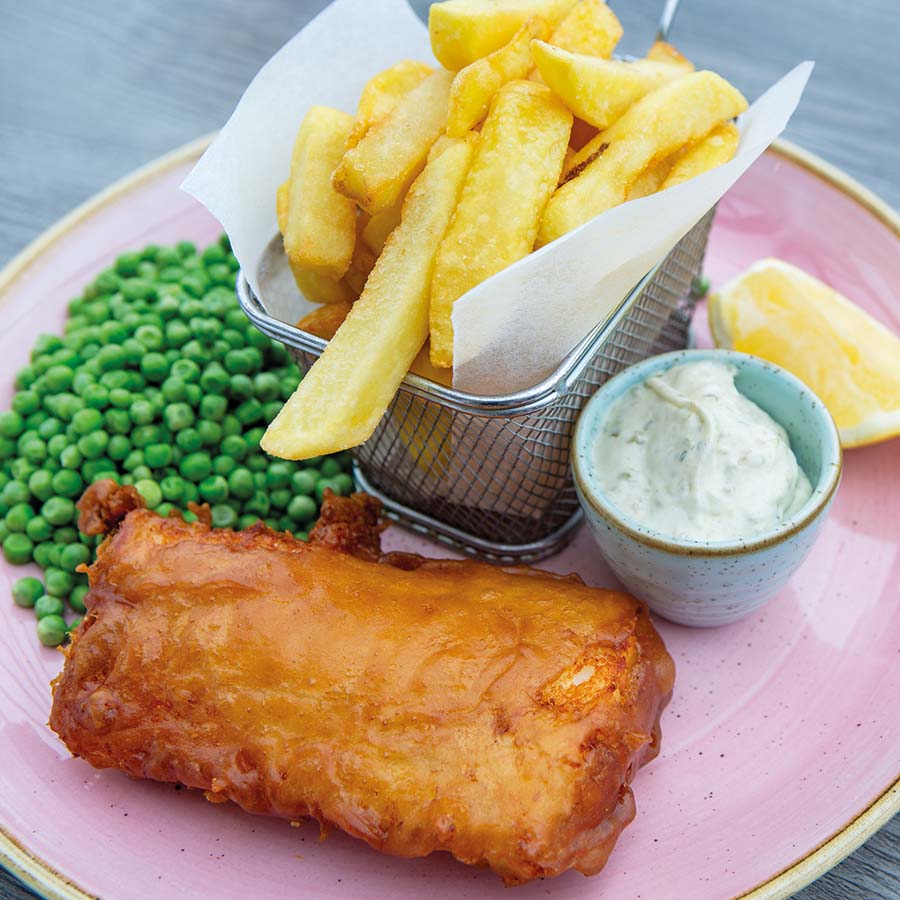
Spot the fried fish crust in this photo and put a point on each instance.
(420, 705)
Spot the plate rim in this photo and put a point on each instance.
(44, 880)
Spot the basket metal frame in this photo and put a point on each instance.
(551, 390)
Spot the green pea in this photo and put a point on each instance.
(233, 337)
(259, 480)
(174, 389)
(76, 598)
(177, 333)
(15, 491)
(18, 516)
(231, 426)
(118, 447)
(142, 412)
(171, 274)
(71, 457)
(189, 440)
(223, 516)
(157, 456)
(172, 488)
(142, 473)
(210, 433)
(163, 509)
(302, 508)
(323, 485)
(11, 424)
(258, 504)
(249, 411)
(280, 498)
(279, 474)
(214, 379)
(330, 467)
(50, 427)
(40, 484)
(178, 416)
(191, 494)
(195, 466)
(26, 591)
(95, 396)
(113, 332)
(90, 469)
(133, 460)
(257, 463)
(38, 530)
(150, 491)
(304, 481)
(7, 448)
(73, 556)
(52, 630)
(59, 378)
(146, 435)
(67, 483)
(154, 367)
(253, 436)
(185, 249)
(86, 421)
(127, 263)
(25, 378)
(238, 362)
(35, 451)
(246, 521)
(120, 398)
(224, 465)
(266, 387)
(93, 445)
(58, 510)
(151, 336)
(240, 483)
(234, 446)
(213, 489)
(213, 407)
(288, 386)
(21, 469)
(56, 445)
(343, 484)
(17, 548)
(26, 402)
(59, 582)
(110, 357)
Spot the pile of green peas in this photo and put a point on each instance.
(159, 381)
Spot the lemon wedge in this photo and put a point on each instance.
(779, 312)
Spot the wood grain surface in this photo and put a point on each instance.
(91, 89)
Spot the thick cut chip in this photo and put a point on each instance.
(325, 320)
(321, 288)
(465, 30)
(598, 90)
(380, 226)
(381, 93)
(320, 226)
(781, 313)
(344, 395)
(360, 266)
(591, 27)
(517, 166)
(377, 170)
(314, 286)
(650, 180)
(475, 85)
(717, 148)
(660, 123)
(663, 52)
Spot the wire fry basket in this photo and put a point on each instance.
(490, 475)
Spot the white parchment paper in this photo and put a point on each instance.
(513, 329)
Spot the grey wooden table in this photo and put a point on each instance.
(91, 89)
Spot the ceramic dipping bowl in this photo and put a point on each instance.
(711, 583)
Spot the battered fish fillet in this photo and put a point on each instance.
(420, 705)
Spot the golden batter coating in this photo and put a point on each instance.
(420, 705)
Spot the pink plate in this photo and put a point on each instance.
(781, 748)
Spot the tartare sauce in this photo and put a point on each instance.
(686, 455)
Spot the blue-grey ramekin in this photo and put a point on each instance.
(712, 582)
